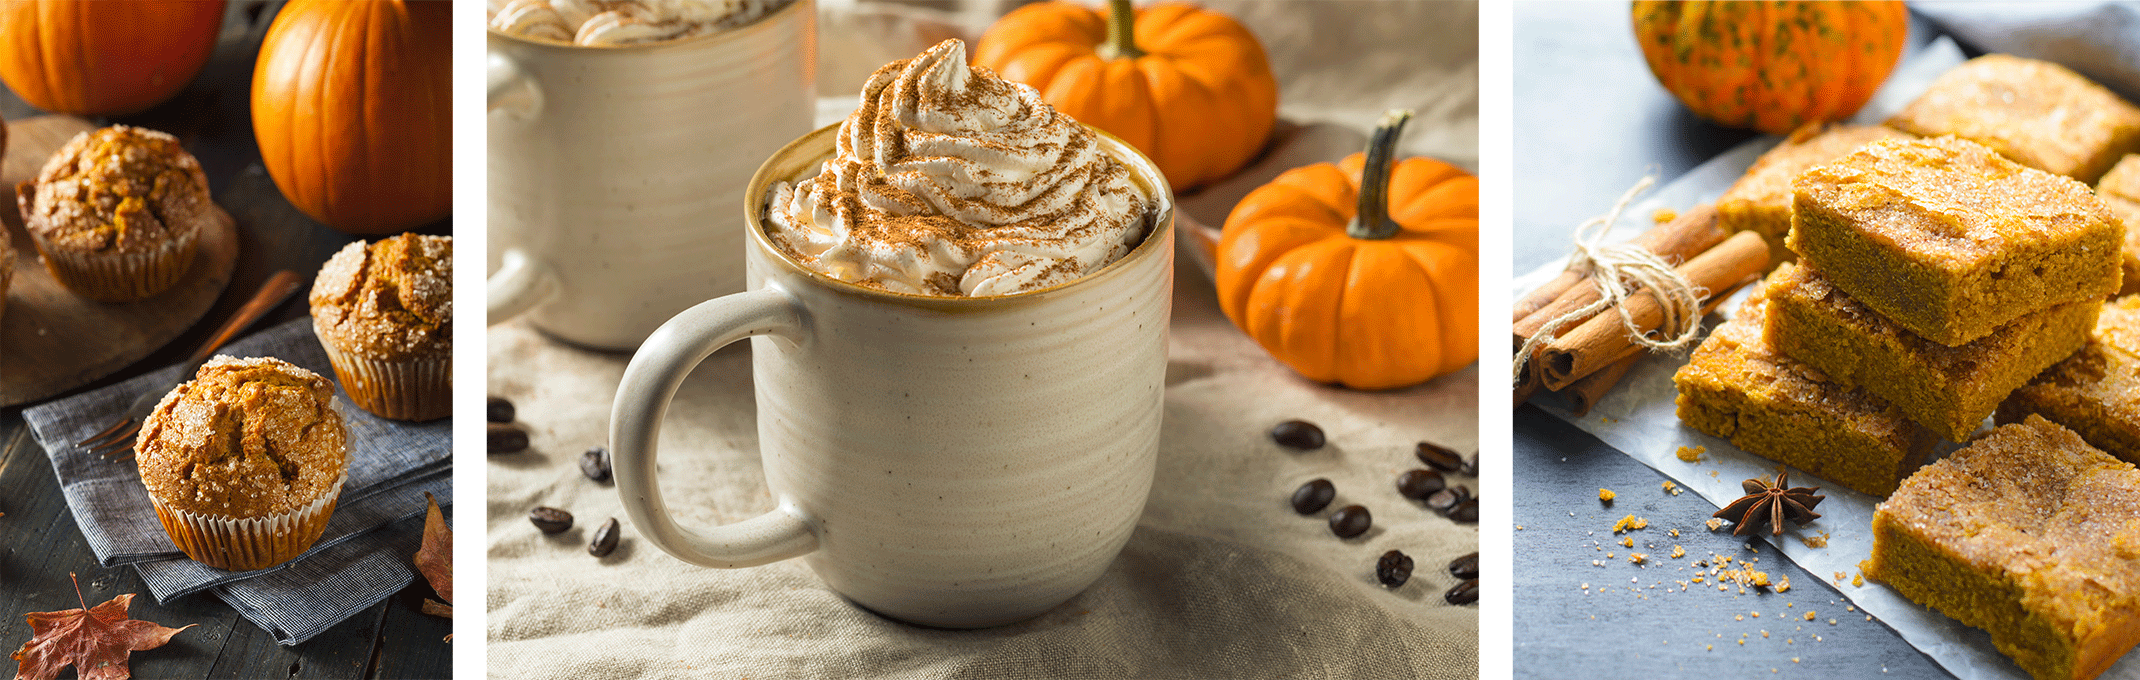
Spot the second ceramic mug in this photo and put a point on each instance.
(953, 462)
(615, 171)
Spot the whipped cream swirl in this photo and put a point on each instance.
(611, 23)
(953, 181)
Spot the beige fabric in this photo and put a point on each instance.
(1222, 579)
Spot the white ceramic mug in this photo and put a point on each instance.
(616, 172)
(953, 462)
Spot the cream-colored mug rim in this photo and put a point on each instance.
(650, 47)
(762, 180)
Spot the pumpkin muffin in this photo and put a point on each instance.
(244, 463)
(2029, 534)
(117, 213)
(2120, 191)
(1760, 201)
(2040, 114)
(384, 312)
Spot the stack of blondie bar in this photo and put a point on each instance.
(1942, 263)
(1946, 272)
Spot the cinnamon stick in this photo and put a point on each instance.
(1691, 233)
(1587, 391)
(1528, 387)
(1603, 340)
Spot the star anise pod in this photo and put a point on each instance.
(1770, 504)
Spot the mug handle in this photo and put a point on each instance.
(650, 381)
(510, 88)
(520, 283)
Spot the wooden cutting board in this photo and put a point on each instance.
(52, 340)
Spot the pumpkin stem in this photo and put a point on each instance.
(1372, 221)
(1121, 32)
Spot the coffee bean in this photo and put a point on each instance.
(1463, 493)
(1350, 521)
(1442, 501)
(1299, 434)
(605, 539)
(1466, 567)
(550, 520)
(1439, 457)
(503, 438)
(1394, 568)
(498, 410)
(595, 463)
(1466, 512)
(1417, 484)
(1471, 466)
(1313, 496)
(1463, 593)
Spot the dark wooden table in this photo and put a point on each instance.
(39, 542)
(1589, 121)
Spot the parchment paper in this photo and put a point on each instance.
(1639, 418)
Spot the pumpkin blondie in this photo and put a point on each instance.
(1760, 201)
(2040, 114)
(2120, 191)
(1739, 387)
(1948, 389)
(2096, 392)
(1949, 239)
(2029, 534)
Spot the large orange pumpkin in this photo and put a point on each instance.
(352, 108)
(1364, 273)
(94, 58)
(1771, 66)
(1191, 89)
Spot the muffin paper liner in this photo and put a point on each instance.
(408, 389)
(120, 277)
(246, 544)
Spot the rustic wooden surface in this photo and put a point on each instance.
(51, 339)
(39, 542)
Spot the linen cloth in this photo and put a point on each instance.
(2095, 39)
(1221, 578)
(391, 465)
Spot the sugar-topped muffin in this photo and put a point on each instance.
(117, 212)
(384, 312)
(244, 463)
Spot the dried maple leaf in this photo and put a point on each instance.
(95, 641)
(435, 558)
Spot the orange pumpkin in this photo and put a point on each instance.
(1364, 273)
(94, 58)
(1771, 66)
(352, 108)
(1191, 89)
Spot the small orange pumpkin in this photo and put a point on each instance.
(93, 58)
(1192, 89)
(1772, 66)
(1364, 273)
(352, 106)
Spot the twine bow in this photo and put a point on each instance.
(1619, 271)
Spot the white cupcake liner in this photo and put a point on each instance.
(246, 544)
(407, 389)
(120, 277)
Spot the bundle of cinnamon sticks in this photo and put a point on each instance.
(1589, 355)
